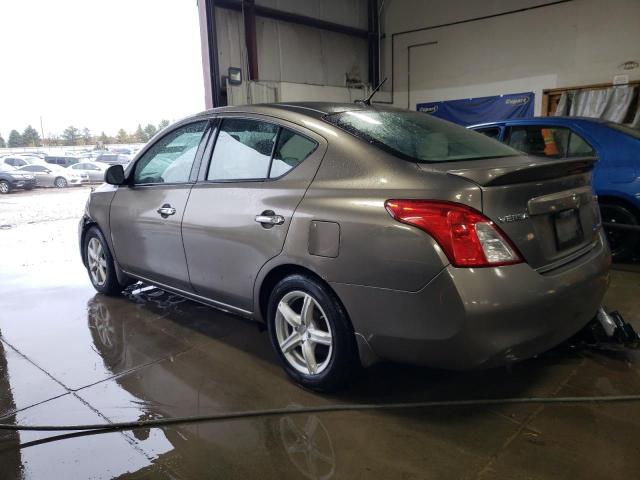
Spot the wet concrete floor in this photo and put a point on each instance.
(69, 356)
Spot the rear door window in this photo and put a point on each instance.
(491, 132)
(540, 140)
(578, 147)
(243, 150)
(291, 150)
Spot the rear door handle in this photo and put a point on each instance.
(269, 219)
(166, 210)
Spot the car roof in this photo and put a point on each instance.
(559, 120)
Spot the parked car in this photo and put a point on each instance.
(19, 161)
(62, 161)
(123, 151)
(113, 159)
(11, 179)
(616, 176)
(94, 170)
(356, 233)
(55, 176)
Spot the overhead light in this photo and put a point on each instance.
(235, 75)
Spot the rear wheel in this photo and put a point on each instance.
(60, 182)
(4, 187)
(99, 262)
(312, 334)
(622, 242)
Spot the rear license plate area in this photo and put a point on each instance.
(568, 229)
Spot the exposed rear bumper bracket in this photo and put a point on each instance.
(611, 328)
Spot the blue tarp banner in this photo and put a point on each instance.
(470, 111)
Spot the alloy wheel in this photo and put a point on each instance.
(4, 187)
(97, 261)
(60, 182)
(304, 333)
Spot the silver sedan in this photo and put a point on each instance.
(94, 170)
(48, 175)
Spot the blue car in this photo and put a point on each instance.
(616, 177)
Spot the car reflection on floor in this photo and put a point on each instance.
(302, 440)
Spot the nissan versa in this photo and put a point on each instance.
(357, 234)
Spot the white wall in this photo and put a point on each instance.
(570, 44)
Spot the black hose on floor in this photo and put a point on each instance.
(109, 427)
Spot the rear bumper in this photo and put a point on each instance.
(468, 318)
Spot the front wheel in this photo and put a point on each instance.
(312, 334)
(99, 263)
(60, 182)
(4, 187)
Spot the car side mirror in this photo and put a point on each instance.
(114, 175)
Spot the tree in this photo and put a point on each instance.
(30, 137)
(122, 136)
(150, 131)
(163, 124)
(86, 136)
(70, 135)
(15, 139)
(3, 144)
(139, 135)
(103, 138)
(53, 139)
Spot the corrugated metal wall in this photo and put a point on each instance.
(297, 53)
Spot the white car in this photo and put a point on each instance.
(49, 175)
(94, 170)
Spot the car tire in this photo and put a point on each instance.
(621, 242)
(312, 334)
(60, 182)
(5, 187)
(99, 263)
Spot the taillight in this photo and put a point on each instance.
(468, 238)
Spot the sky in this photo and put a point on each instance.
(100, 64)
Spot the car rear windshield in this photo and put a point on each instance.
(634, 132)
(419, 136)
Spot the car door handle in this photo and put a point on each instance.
(166, 210)
(269, 220)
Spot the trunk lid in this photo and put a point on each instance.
(546, 207)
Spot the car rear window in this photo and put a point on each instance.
(634, 132)
(418, 136)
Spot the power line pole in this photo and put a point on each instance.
(42, 132)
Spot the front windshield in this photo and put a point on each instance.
(418, 136)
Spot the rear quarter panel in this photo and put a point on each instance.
(350, 188)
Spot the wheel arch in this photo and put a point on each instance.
(87, 224)
(277, 273)
(620, 200)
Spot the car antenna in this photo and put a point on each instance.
(367, 101)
